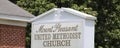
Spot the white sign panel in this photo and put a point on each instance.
(57, 35)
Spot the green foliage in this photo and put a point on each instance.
(108, 25)
(85, 9)
(28, 36)
(36, 7)
(107, 33)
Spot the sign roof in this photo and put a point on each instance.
(58, 11)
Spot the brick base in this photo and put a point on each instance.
(12, 36)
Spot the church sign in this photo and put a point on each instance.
(58, 32)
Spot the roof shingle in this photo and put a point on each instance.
(8, 8)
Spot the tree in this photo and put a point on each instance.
(108, 25)
(36, 7)
(107, 31)
(14, 1)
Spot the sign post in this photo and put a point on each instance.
(60, 28)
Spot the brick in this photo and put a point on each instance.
(12, 36)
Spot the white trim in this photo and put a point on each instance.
(89, 30)
(80, 14)
(16, 18)
(15, 23)
(54, 21)
(75, 12)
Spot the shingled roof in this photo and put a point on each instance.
(8, 8)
